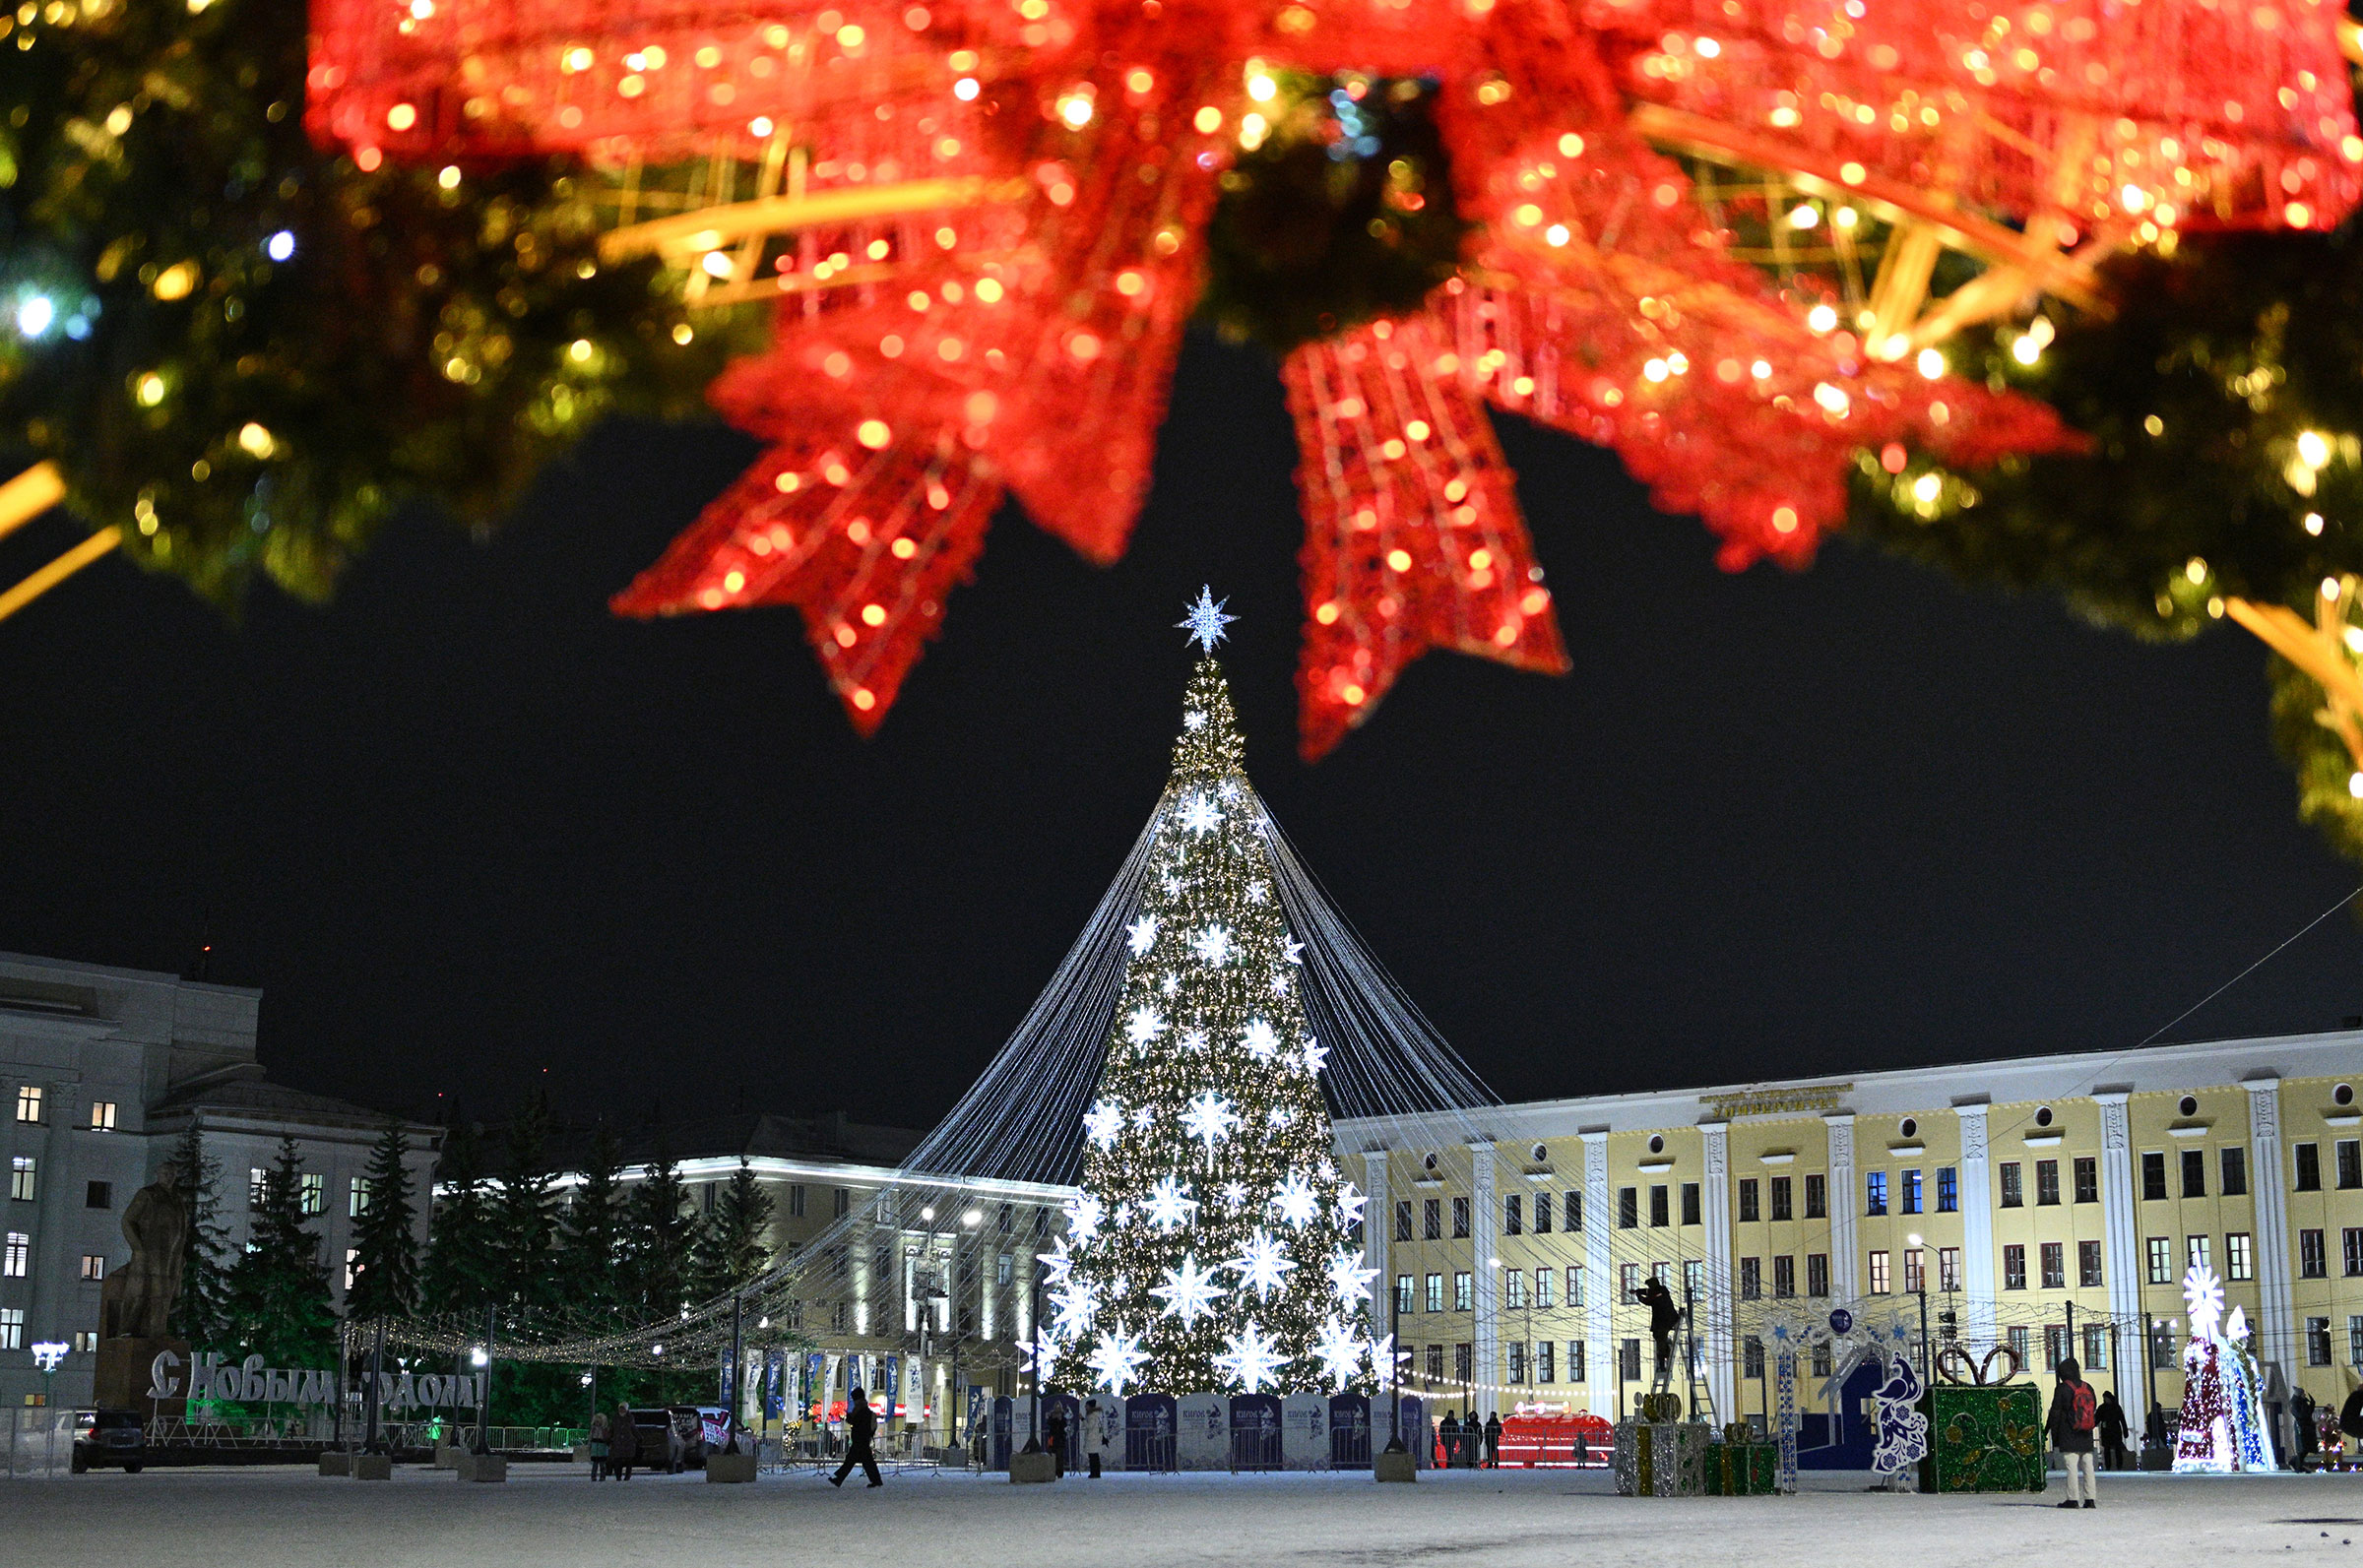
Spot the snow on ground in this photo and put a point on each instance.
(553, 1517)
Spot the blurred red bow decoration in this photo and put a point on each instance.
(986, 224)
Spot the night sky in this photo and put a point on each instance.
(468, 833)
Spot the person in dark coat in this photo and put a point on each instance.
(1448, 1433)
(623, 1444)
(1054, 1438)
(2301, 1412)
(860, 1425)
(2112, 1433)
(2075, 1415)
(1493, 1441)
(1664, 1318)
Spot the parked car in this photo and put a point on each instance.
(109, 1437)
(665, 1437)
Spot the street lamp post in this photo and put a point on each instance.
(46, 1356)
(377, 1363)
(483, 1357)
(1034, 1405)
(1394, 1355)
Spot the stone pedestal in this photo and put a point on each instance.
(481, 1466)
(1027, 1470)
(127, 1364)
(1394, 1466)
(372, 1467)
(336, 1461)
(447, 1455)
(730, 1467)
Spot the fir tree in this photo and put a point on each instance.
(280, 1301)
(1212, 1244)
(200, 1312)
(463, 1252)
(385, 1240)
(591, 1231)
(732, 1248)
(525, 1210)
(656, 1244)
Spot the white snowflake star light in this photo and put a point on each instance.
(1171, 985)
(1084, 1216)
(1193, 1040)
(1168, 1205)
(2204, 1295)
(1340, 1350)
(1209, 1120)
(1264, 1267)
(1205, 620)
(1144, 1117)
(1117, 1359)
(1251, 1358)
(1200, 814)
(1193, 720)
(1189, 1292)
(1059, 1263)
(1143, 935)
(1314, 1055)
(1212, 945)
(1295, 1202)
(1078, 1303)
(1348, 1278)
(1103, 1122)
(1261, 1040)
(1144, 1024)
(1258, 890)
(1292, 951)
(1349, 1204)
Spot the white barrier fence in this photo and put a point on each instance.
(35, 1441)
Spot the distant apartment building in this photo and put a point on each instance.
(101, 1070)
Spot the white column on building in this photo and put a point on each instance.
(1977, 1228)
(2121, 1250)
(1721, 1383)
(1845, 1264)
(2277, 1336)
(1377, 1231)
(1600, 1284)
(1484, 1233)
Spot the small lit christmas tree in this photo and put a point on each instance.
(2207, 1442)
(1214, 1245)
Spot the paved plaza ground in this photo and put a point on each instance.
(553, 1517)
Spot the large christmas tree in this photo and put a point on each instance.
(1215, 1244)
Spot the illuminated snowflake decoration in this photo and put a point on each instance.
(1200, 814)
(1192, 1040)
(1170, 985)
(1144, 1117)
(1292, 951)
(1349, 1204)
(1348, 1278)
(1209, 1120)
(1172, 887)
(1057, 1263)
(1340, 1350)
(1142, 935)
(1078, 1303)
(1258, 890)
(1193, 720)
(1264, 1267)
(1280, 984)
(1084, 1216)
(1296, 1203)
(1103, 1122)
(1280, 1116)
(1212, 945)
(1315, 1056)
(2203, 1293)
(1261, 1040)
(1189, 1293)
(1144, 1024)
(1115, 1361)
(1235, 1194)
(1251, 1358)
(1205, 620)
(1169, 1207)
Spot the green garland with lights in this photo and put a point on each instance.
(244, 352)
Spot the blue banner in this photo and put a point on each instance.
(892, 1376)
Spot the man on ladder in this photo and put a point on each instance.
(1664, 1318)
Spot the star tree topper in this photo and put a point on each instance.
(1205, 620)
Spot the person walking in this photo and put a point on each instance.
(861, 1425)
(598, 1445)
(1493, 1441)
(2302, 1412)
(2112, 1433)
(623, 1444)
(1095, 1435)
(2074, 1414)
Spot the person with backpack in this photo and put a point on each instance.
(2075, 1415)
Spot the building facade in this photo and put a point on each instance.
(101, 1070)
(2050, 1205)
(935, 1273)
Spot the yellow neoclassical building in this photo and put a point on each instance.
(2048, 1203)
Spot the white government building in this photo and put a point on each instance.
(101, 1070)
